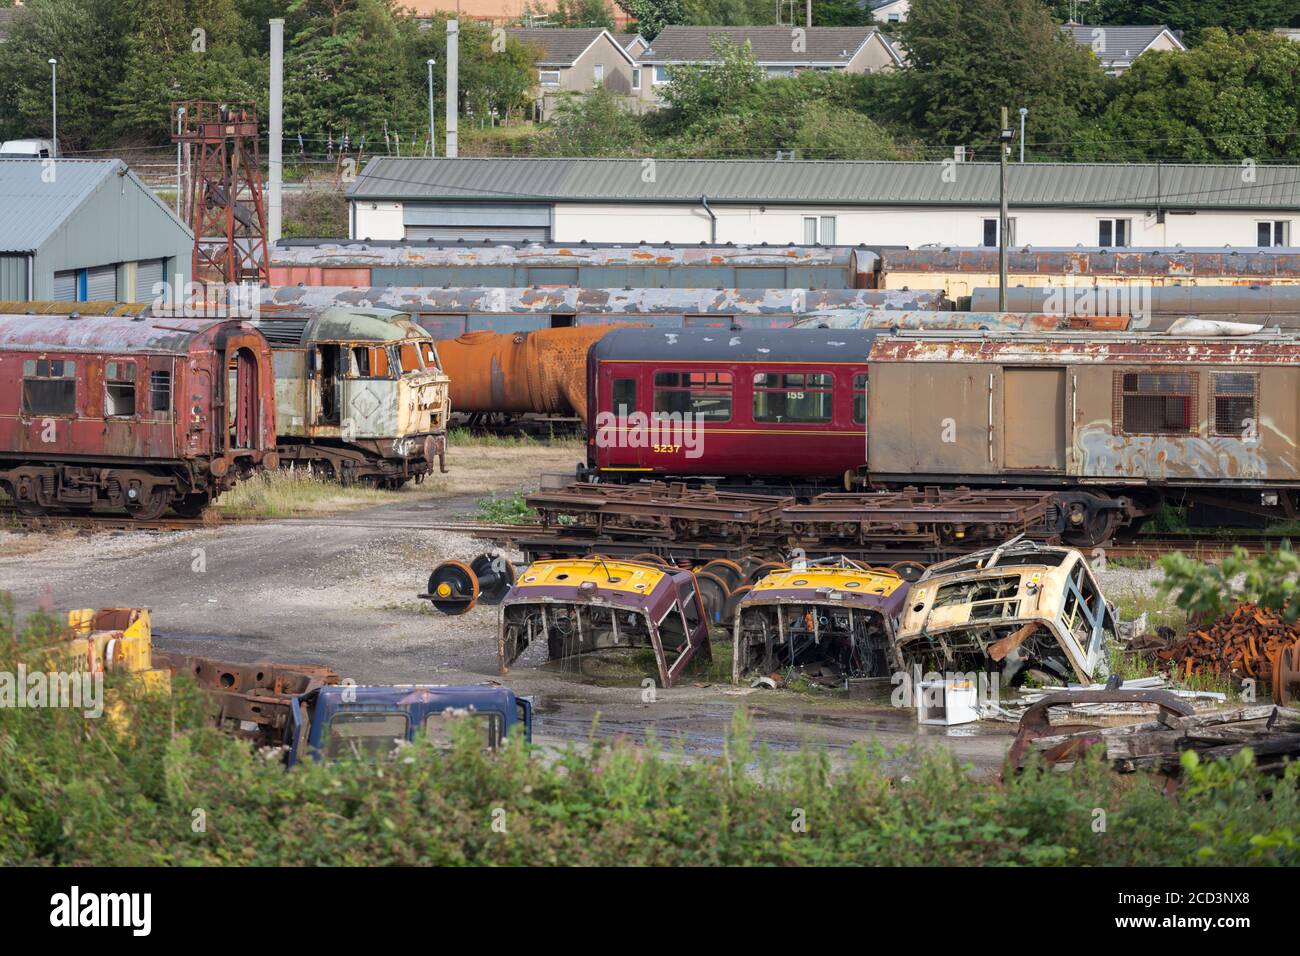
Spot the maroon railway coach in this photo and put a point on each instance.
(769, 407)
(131, 413)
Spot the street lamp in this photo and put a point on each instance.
(54, 103)
(430, 63)
(1024, 111)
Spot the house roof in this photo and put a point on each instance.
(625, 40)
(1118, 46)
(562, 46)
(34, 208)
(771, 45)
(828, 182)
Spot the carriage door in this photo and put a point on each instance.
(243, 410)
(618, 445)
(1034, 432)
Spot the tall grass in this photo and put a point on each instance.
(280, 494)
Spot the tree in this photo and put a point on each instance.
(653, 15)
(697, 90)
(596, 124)
(572, 13)
(88, 37)
(183, 50)
(970, 57)
(730, 13)
(1191, 16)
(1229, 98)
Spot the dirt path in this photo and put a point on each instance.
(341, 591)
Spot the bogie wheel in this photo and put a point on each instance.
(647, 558)
(909, 571)
(495, 575)
(731, 573)
(191, 506)
(763, 570)
(733, 603)
(153, 507)
(714, 592)
(28, 509)
(453, 588)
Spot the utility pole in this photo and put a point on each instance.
(808, 8)
(430, 63)
(1004, 146)
(275, 135)
(453, 89)
(1024, 111)
(54, 103)
(180, 128)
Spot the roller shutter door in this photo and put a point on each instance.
(148, 273)
(101, 284)
(475, 222)
(65, 286)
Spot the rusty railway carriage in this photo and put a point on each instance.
(770, 407)
(1119, 424)
(360, 394)
(132, 413)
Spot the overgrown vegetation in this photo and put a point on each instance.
(1207, 590)
(153, 787)
(512, 509)
(284, 493)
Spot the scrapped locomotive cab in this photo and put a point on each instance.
(590, 605)
(1018, 609)
(825, 623)
(361, 395)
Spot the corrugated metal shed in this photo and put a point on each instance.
(850, 183)
(38, 196)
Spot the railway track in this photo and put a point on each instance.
(55, 521)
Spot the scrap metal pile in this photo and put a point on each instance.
(1270, 731)
(702, 523)
(1249, 643)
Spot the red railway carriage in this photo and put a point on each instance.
(132, 413)
(772, 405)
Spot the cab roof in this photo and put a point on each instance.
(848, 586)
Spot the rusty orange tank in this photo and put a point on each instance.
(542, 372)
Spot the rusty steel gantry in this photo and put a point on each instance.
(226, 206)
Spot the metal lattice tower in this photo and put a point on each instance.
(228, 212)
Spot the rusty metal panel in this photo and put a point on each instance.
(931, 419)
(1033, 419)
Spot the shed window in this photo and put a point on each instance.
(793, 397)
(1235, 396)
(49, 386)
(119, 389)
(706, 395)
(1157, 403)
(160, 391)
(860, 399)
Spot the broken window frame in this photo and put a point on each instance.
(119, 385)
(357, 717)
(1240, 425)
(1189, 398)
(160, 391)
(446, 719)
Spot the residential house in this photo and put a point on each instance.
(1118, 47)
(634, 43)
(912, 204)
(778, 50)
(495, 11)
(573, 60)
(890, 11)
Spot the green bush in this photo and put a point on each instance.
(130, 792)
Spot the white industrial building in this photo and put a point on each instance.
(828, 202)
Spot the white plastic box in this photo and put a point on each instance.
(947, 702)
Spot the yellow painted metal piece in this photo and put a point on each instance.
(627, 576)
(849, 580)
(444, 589)
(115, 639)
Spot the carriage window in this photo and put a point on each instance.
(160, 391)
(49, 386)
(859, 399)
(706, 395)
(370, 361)
(1157, 403)
(792, 397)
(624, 393)
(1234, 403)
(119, 389)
